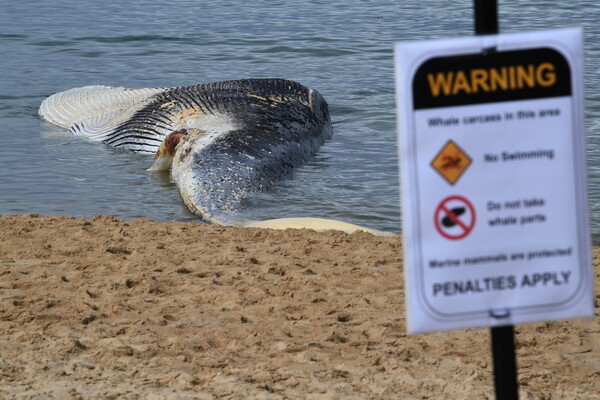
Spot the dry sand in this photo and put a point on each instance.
(103, 308)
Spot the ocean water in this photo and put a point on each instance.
(341, 48)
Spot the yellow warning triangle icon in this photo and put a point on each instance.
(451, 162)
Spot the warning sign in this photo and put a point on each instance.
(454, 217)
(451, 162)
(493, 180)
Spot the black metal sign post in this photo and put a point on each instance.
(486, 17)
(505, 363)
(503, 337)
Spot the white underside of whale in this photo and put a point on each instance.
(95, 111)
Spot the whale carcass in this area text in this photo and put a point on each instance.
(222, 140)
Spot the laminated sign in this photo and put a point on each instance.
(493, 177)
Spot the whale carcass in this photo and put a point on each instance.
(222, 141)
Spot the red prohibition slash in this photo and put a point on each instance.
(443, 212)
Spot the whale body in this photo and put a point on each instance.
(228, 139)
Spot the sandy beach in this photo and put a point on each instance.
(103, 308)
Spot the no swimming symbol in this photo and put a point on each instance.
(454, 217)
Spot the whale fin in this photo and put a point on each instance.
(317, 224)
(95, 111)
